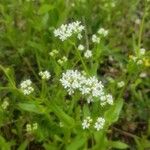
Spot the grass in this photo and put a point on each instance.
(51, 119)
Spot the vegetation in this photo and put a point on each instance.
(74, 74)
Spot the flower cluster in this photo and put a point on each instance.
(45, 75)
(53, 52)
(26, 87)
(63, 60)
(5, 104)
(88, 86)
(31, 127)
(67, 30)
(103, 32)
(88, 54)
(99, 124)
(120, 84)
(86, 122)
(95, 38)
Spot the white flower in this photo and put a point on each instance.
(103, 32)
(64, 59)
(95, 39)
(90, 99)
(53, 52)
(88, 54)
(143, 75)
(28, 128)
(86, 122)
(88, 86)
(99, 124)
(34, 126)
(67, 30)
(139, 62)
(45, 75)
(31, 127)
(71, 80)
(80, 47)
(26, 87)
(5, 104)
(142, 51)
(120, 84)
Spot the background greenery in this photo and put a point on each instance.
(26, 38)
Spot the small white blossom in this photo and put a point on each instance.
(67, 30)
(95, 39)
(139, 62)
(26, 87)
(90, 99)
(88, 86)
(86, 122)
(120, 84)
(31, 127)
(28, 128)
(103, 32)
(99, 124)
(5, 104)
(34, 126)
(142, 51)
(64, 59)
(45, 75)
(88, 54)
(53, 53)
(80, 47)
(143, 75)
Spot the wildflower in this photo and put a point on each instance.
(88, 86)
(53, 53)
(45, 75)
(80, 47)
(120, 84)
(88, 54)
(95, 39)
(5, 104)
(31, 127)
(99, 124)
(104, 99)
(90, 99)
(143, 75)
(28, 128)
(86, 122)
(26, 87)
(67, 30)
(103, 32)
(64, 59)
(139, 62)
(34, 126)
(142, 51)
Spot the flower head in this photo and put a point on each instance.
(26, 87)
(99, 124)
(67, 30)
(86, 122)
(88, 54)
(45, 75)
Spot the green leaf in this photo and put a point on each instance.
(77, 143)
(118, 145)
(45, 8)
(23, 145)
(32, 107)
(112, 114)
(69, 121)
